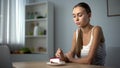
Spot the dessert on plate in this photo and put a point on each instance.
(55, 60)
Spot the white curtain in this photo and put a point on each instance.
(12, 22)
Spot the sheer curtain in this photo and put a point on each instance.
(12, 22)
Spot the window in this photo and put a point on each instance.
(12, 19)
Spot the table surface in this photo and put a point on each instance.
(44, 65)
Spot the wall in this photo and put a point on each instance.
(64, 27)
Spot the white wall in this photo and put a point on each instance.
(64, 27)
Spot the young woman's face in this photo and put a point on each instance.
(80, 16)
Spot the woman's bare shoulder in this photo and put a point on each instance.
(97, 28)
(75, 32)
(97, 31)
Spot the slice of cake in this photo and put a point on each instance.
(55, 60)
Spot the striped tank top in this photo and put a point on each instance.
(100, 54)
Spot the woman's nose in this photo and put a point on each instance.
(77, 18)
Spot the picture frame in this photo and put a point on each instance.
(113, 8)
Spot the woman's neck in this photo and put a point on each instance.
(86, 29)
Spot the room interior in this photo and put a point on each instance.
(61, 29)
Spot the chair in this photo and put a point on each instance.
(5, 58)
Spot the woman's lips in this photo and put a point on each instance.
(78, 23)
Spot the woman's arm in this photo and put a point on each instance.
(96, 40)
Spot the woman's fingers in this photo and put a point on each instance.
(59, 53)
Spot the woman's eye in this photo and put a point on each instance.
(80, 15)
(74, 16)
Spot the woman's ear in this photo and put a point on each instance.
(89, 15)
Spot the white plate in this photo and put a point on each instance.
(56, 64)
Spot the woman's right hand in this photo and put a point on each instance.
(60, 54)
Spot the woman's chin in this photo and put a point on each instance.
(79, 26)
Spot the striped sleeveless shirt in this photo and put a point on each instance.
(100, 54)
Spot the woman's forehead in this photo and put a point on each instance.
(78, 10)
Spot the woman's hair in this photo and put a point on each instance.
(83, 5)
(79, 44)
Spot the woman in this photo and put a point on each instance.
(88, 40)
